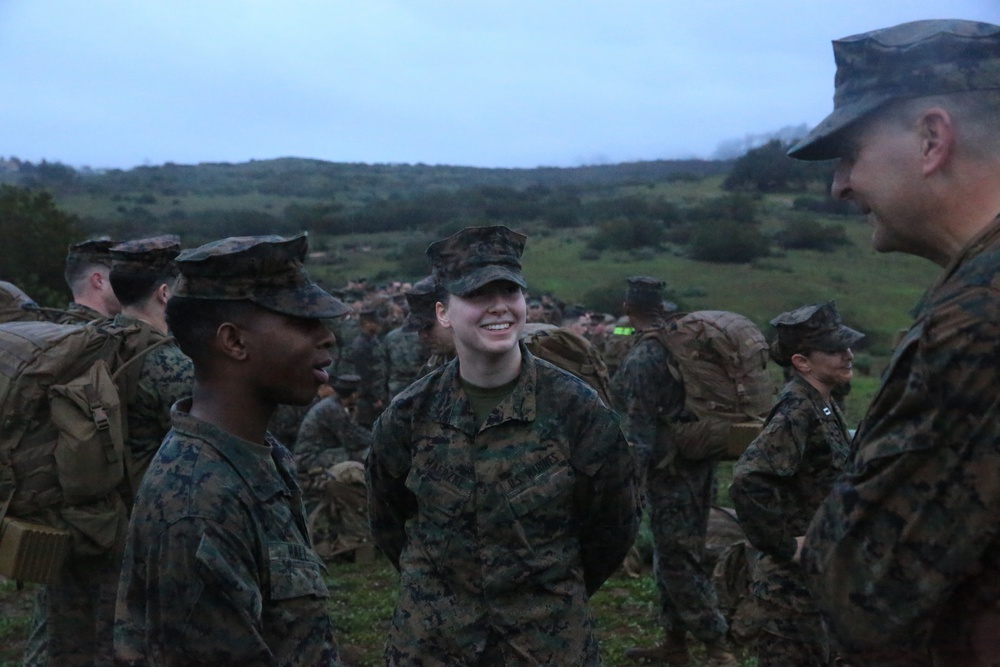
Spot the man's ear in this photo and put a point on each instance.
(231, 341)
(97, 280)
(162, 294)
(937, 139)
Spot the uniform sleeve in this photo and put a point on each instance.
(198, 592)
(390, 503)
(606, 499)
(917, 509)
(318, 439)
(762, 488)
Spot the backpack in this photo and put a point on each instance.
(731, 578)
(721, 358)
(63, 392)
(570, 352)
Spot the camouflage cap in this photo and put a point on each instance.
(91, 251)
(913, 59)
(814, 327)
(266, 270)
(475, 256)
(644, 291)
(345, 384)
(421, 299)
(152, 255)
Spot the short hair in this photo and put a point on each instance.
(193, 322)
(79, 266)
(977, 113)
(134, 287)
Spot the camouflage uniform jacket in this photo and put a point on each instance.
(645, 392)
(780, 480)
(369, 363)
(76, 313)
(501, 531)
(904, 553)
(165, 377)
(329, 436)
(404, 357)
(218, 566)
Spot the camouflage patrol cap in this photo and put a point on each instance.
(344, 384)
(475, 256)
(265, 270)
(915, 59)
(814, 327)
(644, 291)
(152, 255)
(91, 251)
(421, 299)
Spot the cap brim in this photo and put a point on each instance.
(824, 142)
(841, 339)
(308, 301)
(475, 279)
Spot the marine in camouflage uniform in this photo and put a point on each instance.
(88, 269)
(329, 435)
(504, 510)
(786, 472)
(286, 421)
(369, 363)
(165, 375)
(904, 553)
(74, 618)
(404, 357)
(218, 565)
(678, 491)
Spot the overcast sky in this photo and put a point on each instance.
(504, 83)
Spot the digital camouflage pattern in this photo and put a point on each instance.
(72, 621)
(266, 270)
(933, 57)
(76, 313)
(218, 568)
(328, 435)
(778, 483)
(155, 254)
(501, 530)
(166, 376)
(678, 496)
(404, 356)
(904, 554)
(369, 363)
(475, 256)
(285, 422)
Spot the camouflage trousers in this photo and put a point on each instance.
(775, 651)
(74, 619)
(679, 499)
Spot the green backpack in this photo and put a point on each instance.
(63, 392)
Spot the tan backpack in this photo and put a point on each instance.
(570, 352)
(721, 357)
(63, 392)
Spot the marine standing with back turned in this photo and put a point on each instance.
(904, 553)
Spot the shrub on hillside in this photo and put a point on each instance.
(727, 242)
(811, 235)
(621, 233)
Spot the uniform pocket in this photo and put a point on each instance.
(295, 572)
(543, 489)
(439, 498)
